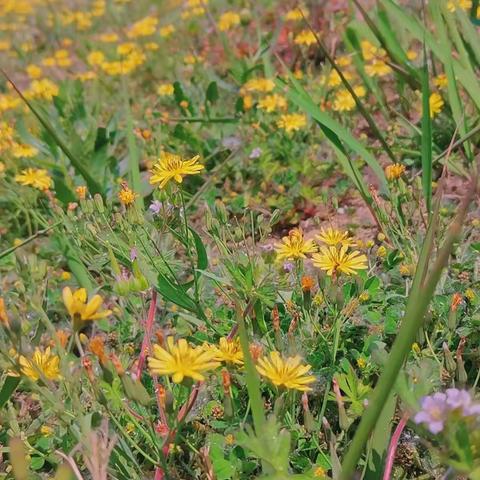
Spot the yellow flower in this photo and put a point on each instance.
(377, 68)
(469, 294)
(452, 5)
(332, 236)
(319, 472)
(126, 48)
(126, 195)
(343, 102)
(406, 270)
(394, 171)
(263, 85)
(334, 260)
(108, 37)
(95, 58)
(81, 310)
(62, 58)
(228, 20)
(368, 50)
(292, 122)
(166, 31)
(364, 297)
(228, 351)
(46, 431)
(295, 14)
(412, 54)
(33, 71)
(42, 364)
(440, 81)
(181, 360)
(23, 151)
(436, 104)
(143, 28)
(270, 103)
(361, 362)
(172, 167)
(85, 76)
(381, 251)
(44, 89)
(81, 192)
(294, 246)
(305, 37)
(35, 177)
(166, 89)
(3, 314)
(289, 372)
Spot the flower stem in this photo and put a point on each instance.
(253, 382)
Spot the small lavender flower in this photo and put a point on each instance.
(268, 247)
(437, 407)
(155, 207)
(255, 153)
(133, 254)
(288, 267)
(433, 413)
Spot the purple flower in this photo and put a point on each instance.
(288, 267)
(133, 254)
(268, 247)
(437, 407)
(255, 153)
(155, 207)
(433, 413)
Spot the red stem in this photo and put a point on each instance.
(392, 448)
(148, 334)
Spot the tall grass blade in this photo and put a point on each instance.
(426, 137)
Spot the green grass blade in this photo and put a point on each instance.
(133, 153)
(452, 88)
(426, 138)
(364, 112)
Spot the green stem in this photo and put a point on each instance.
(253, 382)
(133, 154)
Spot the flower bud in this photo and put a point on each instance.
(99, 203)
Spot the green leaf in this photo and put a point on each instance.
(175, 293)
(202, 258)
(426, 137)
(37, 463)
(8, 388)
(212, 92)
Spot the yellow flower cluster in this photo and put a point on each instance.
(375, 59)
(43, 89)
(228, 20)
(305, 37)
(180, 360)
(143, 28)
(334, 256)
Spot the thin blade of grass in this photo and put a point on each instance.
(452, 89)
(361, 108)
(302, 99)
(133, 153)
(426, 137)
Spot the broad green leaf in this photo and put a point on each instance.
(9, 386)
